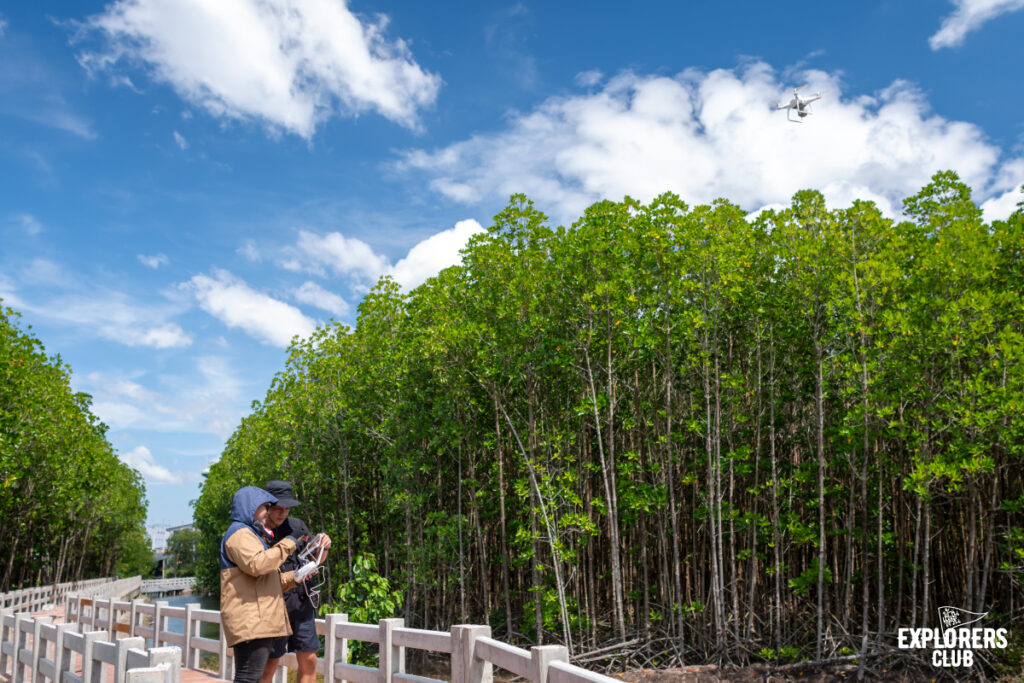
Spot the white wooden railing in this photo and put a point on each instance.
(31, 599)
(473, 652)
(161, 585)
(60, 654)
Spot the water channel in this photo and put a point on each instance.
(175, 625)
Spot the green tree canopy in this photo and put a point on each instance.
(71, 509)
(786, 435)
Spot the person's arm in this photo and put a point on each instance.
(287, 581)
(246, 551)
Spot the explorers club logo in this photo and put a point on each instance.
(953, 644)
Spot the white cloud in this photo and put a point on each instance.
(180, 141)
(250, 252)
(29, 223)
(41, 271)
(999, 208)
(335, 255)
(315, 295)
(154, 261)
(109, 314)
(587, 79)
(968, 16)
(142, 460)
(166, 336)
(710, 135)
(434, 254)
(1007, 192)
(234, 303)
(209, 399)
(339, 254)
(31, 89)
(287, 63)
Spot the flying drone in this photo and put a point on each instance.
(801, 105)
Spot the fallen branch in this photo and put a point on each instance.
(597, 654)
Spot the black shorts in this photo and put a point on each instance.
(302, 639)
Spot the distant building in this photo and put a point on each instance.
(159, 533)
(158, 536)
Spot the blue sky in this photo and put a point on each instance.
(186, 184)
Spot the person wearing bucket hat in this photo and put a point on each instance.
(303, 640)
(252, 587)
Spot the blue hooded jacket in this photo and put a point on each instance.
(247, 500)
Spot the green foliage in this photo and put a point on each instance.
(367, 598)
(183, 550)
(808, 579)
(551, 614)
(135, 555)
(71, 509)
(543, 434)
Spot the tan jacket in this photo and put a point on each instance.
(252, 594)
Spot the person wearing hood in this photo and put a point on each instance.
(303, 641)
(252, 608)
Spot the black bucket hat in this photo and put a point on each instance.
(282, 490)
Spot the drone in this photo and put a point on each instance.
(311, 557)
(801, 105)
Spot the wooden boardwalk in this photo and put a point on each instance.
(472, 652)
(187, 675)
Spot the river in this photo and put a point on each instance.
(175, 625)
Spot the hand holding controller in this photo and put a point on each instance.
(305, 571)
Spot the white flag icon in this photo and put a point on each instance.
(954, 617)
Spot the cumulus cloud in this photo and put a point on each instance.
(705, 135)
(335, 253)
(968, 16)
(289, 64)
(153, 261)
(234, 303)
(141, 459)
(1009, 186)
(434, 254)
(180, 141)
(315, 295)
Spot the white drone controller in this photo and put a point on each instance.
(305, 570)
(313, 554)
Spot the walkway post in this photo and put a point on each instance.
(191, 655)
(541, 656)
(133, 614)
(225, 665)
(392, 658)
(38, 647)
(335, 649)
(61, 656)
(123, 645)
(158, 620)
(22, 625)
(4, 629)
(466, 667)
(91, 667)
